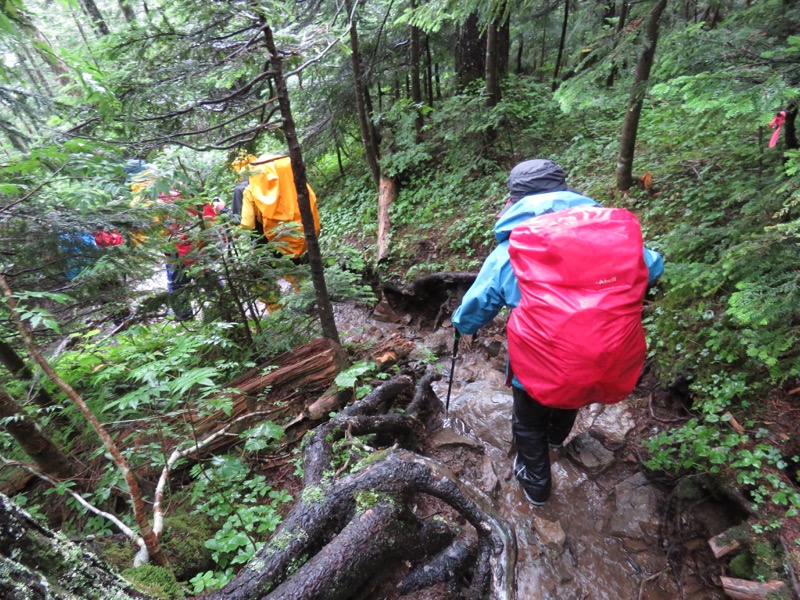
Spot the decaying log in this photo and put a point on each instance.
(310, 367)
(723, 544)
(741, 589)
(331, 509)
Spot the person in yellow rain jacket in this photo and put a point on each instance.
(269, 204)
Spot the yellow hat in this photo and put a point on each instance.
(242, 162)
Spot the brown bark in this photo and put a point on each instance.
(324, 306)
(386, 197)
(17, 367)
(492, 67)
(723, 544)
(416, 84)
(359, 90)
(44, 452)
(630, 126)
(741, 589)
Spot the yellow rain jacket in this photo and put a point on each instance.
(271, 200)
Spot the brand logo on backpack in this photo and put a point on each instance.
(576, 336)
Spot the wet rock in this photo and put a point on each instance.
(488, 481)
(636, 508)
(550, 533)
(565, 567)
(384, 313)
(613, 422)
(486, 409)
(440, 342)
(448, 437)
(589, 453)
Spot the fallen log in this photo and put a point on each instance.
(742, 589)
(723, 544)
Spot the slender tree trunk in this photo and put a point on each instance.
(43, 48)
(503, 45)
(492, 72)
(428, 71)
(38, 81)
(367, 138)
(416, 84)
(324, 306)
(520, 50)
(17, 367)
(47, 456)
(562, 42)
(623, 15)
(543, 48)
(127, 10)
(95, 17)
(630, 126)
(790, 126)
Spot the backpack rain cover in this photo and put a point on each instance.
(577, 336)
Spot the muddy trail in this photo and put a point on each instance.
(611, 530)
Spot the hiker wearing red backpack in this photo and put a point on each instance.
(574, 275)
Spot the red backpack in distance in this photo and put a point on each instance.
(576, 337)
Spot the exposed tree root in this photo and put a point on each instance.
(343, 532)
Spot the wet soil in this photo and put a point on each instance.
(611, 530)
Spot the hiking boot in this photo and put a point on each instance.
(537, 495)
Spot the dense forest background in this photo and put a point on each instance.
(405, 118)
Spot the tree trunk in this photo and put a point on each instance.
(324, 307)
(492, 69)
(627, 143)
(623, 15)
(95, 17)
(416, 86)
(47, 456)
(428, 71)
(367, 136)
(790, 126)
(37, 563)
(562, 42)
(127, 11)
(504, 45)
(470, 52)
(386, 197)
(17, 367)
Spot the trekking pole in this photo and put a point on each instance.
(456, 337)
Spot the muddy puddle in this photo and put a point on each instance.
(608, 531)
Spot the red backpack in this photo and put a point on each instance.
(576, 337)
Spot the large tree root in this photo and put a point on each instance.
(345, 531)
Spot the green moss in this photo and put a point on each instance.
(118, 553)
(312, 495)
(369, 498)
(741, 565)
(158, 582)
(184, 543)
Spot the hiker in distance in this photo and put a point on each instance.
(574, 275)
